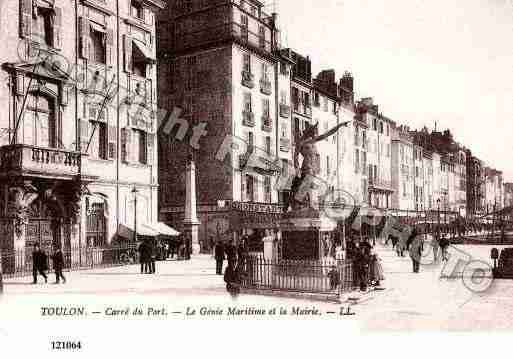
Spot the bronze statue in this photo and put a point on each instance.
(306, 146)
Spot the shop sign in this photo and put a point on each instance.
(256, 207)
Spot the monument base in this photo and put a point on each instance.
(307, 234)
(191, 236)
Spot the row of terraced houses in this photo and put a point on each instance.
(80, 166)
(223, 63)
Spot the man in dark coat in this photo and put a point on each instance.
(414, 246)
(232, 279)
(152, 256)
(219, 255)
(242, 254)
(143, 256)
(58, 265)
(39, 263)
(231, 254)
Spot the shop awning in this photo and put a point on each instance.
(144, 51)
(127, 230)
(163, 229)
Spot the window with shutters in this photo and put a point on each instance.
(267, 189)
(261, 37)
(246, 63)
(42, 26)
(99, 143)
(139, 146)
(98, 138)
(249, 194)
(136, 9)
(247, 102)
(244, 27)
(268, 146)
(39, 122)
(98, 47)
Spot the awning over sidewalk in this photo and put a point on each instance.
(163, 229)
(127, 231)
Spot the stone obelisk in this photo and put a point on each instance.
(191, 222)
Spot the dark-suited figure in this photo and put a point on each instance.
(144, 256)
(39, 263)
(58, 265)
(414, 246)
(242, 254)
(231, 254)
(219, 255)
(232, 279)
(152, 256)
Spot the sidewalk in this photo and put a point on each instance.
(196, 276)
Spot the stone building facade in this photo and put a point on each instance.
(79, 125)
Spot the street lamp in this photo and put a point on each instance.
(135, 191)
(438, 204)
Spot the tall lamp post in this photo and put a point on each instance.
(438, 204)
(135, 191)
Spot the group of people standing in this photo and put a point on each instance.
(236, 256)
(367, 268)
(148, 257)
(40, 264)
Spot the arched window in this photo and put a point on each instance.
(38, 126)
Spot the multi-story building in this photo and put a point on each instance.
(475, 184)
(379, 156)
(493, 188)
(508, 194)
(403, 170)
(78, 124)
(221, 70)
(325, 113)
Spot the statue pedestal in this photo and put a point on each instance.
(268, 248)
(190, 233)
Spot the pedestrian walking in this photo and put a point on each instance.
(242, 254)
(39, 263)
(376, 269)
(219, 256)
(414, 245)
(231, 253)
(152, 256)
(361, 268)
(435, 244)
(144, 255)
(334, 277)
(444, 245)
(232, 279)
(58, 265)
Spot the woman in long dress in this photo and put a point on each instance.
(376, 269)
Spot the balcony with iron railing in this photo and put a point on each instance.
(263, 162)
(284, 144)
(248, 79)
(377, 183)
(231, 31)
(284, 110)
(265, 87)
(267, 124)
(248, 118)
(27, 160)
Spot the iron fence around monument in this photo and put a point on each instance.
(18, 263)
(327, 277)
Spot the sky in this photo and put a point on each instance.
(448, 62)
